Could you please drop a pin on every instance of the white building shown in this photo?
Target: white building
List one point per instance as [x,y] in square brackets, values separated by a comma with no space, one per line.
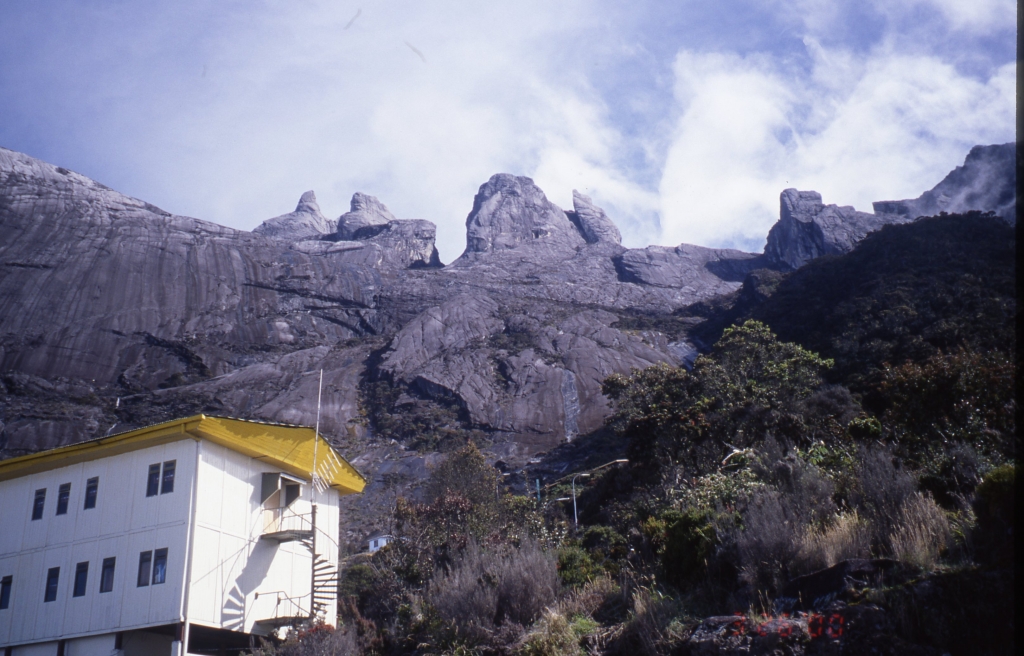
[197,533]
[378,540]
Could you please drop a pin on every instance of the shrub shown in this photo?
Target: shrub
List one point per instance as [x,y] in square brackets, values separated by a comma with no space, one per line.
[688,543]
[553,636]
[769,540]
[316,640]
[994,506]
[490,588]
[881,490]
[575,566]
[652,628]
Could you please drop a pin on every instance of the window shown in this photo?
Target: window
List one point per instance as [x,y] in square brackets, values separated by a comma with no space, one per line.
[159,566]
[81,578]
[63,494]
[52,578]
[107,575]
[91,487]
[153,484]
[38,504]
[5,591]
[145,561]
[167,484]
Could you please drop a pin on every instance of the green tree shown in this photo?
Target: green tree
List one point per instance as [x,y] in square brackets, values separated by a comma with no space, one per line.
[750,386]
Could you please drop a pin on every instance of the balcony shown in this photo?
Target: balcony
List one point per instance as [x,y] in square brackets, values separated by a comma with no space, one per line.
[286,525]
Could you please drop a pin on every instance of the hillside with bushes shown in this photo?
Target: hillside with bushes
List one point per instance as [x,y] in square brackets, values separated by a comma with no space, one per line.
[834,474]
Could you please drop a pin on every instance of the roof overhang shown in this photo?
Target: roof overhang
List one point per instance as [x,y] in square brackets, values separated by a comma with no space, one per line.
[289,448]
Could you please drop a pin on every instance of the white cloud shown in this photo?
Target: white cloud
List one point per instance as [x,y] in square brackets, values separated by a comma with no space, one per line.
[888,127]
[228,111]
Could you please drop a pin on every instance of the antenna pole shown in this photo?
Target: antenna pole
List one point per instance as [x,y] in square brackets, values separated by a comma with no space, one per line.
[316,438]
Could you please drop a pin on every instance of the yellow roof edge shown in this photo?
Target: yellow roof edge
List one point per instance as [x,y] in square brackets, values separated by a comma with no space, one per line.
[215,429]
[82,451]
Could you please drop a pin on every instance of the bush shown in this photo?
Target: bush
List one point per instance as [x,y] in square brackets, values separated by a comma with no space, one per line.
[687,545]
[553,636]
[575,566]
[881,490]
[490,588]
[769,541]
[994,506]
[316,640]
[653,628]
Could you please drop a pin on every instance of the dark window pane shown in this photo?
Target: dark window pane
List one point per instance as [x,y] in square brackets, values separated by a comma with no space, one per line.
[153,483]
[160,566]
[145,560]
[5,591]
[91,487]
[81,577]
[63,494]
[168,482]
[107,575]
[38,504]
[52,577]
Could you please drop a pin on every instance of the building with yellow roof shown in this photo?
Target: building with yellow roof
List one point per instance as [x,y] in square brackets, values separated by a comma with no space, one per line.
[190,536]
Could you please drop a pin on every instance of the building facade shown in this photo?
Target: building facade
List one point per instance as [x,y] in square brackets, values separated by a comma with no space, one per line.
[189,536]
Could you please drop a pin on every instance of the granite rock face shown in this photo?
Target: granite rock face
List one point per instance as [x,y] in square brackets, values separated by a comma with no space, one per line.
[807,228]
[306,222]
[509,211]
[687,265]
[986,182]
[593,224]
[116,314]
[366,212]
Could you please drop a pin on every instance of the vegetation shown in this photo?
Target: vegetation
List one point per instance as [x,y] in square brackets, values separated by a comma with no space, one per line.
[749,475]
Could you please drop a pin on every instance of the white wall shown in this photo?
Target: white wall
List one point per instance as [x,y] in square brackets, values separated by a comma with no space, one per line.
[236,575]
[123,523]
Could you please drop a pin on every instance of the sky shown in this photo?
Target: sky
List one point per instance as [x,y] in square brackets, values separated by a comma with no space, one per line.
[683,119]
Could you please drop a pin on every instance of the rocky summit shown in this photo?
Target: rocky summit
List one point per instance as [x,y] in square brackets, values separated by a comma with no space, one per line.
[116,314]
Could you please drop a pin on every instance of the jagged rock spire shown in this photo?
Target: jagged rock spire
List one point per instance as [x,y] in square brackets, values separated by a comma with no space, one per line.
[306,222]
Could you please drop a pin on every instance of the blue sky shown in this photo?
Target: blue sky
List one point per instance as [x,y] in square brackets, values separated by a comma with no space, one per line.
[684,119]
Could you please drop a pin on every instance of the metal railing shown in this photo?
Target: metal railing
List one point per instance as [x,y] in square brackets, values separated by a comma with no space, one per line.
[285,607]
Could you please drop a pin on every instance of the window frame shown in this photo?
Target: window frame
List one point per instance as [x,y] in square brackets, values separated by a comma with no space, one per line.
[145,565]
[109,565]
[92,487]
[81,582]
[39,504]
[167,481]
[52,585]
[6,584]
[159,558]
[63,498]
[153,480]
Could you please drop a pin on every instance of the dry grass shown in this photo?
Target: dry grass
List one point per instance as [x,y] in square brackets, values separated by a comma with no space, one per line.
[922,533]
[847,536]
